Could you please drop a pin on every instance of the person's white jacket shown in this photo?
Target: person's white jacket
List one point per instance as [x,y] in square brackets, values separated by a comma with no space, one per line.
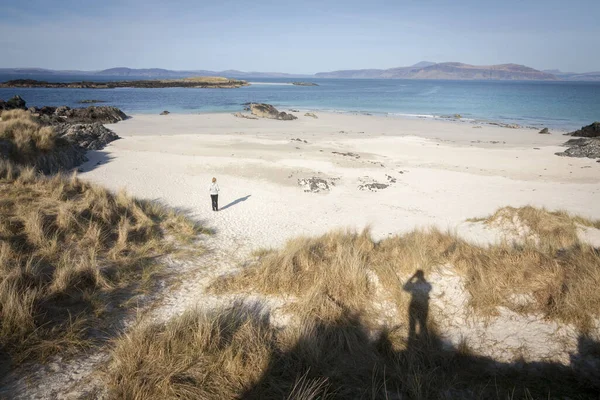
[214,189]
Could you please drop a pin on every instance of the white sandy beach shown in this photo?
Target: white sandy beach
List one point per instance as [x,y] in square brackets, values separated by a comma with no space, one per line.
[444,172]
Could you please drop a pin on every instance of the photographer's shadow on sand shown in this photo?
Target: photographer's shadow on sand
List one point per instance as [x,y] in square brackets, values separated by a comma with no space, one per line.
[338,358]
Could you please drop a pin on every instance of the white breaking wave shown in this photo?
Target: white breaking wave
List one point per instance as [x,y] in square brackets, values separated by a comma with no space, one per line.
[270,83]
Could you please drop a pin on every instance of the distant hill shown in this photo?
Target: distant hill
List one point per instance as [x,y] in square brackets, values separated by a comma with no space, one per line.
[447,70]
[148,73]
[421,70]
[575,76]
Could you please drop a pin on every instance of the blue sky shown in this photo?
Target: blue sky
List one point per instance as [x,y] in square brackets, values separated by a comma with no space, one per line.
[297,36]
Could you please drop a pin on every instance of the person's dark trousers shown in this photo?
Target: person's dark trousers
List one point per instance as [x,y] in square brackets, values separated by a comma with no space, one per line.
[215,201]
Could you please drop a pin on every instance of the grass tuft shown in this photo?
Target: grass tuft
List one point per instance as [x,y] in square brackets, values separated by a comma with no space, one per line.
[68,250]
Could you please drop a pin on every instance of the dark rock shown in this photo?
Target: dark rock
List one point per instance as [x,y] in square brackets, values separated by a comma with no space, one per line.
[590,131]
[13,103]
[268,111]
[348,154]
[165,113]
[583,147]
[87,136]
[544,131]
[91,101]
[88,115]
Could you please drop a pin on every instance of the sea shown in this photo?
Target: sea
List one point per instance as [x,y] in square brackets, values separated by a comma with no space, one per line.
[557,105]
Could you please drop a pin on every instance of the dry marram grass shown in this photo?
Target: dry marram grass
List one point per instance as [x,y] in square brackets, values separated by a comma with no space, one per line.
[71,251]
[235,353]
[352,269]
[342,341]
[28,136]
[554,229]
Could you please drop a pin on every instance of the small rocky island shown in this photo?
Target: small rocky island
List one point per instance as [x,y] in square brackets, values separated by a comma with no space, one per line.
[203,82]
[304,84]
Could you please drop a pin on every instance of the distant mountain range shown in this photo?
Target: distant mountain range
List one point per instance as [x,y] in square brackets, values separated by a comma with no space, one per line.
[148,73]
[422,70]
[574,76]
[448,70]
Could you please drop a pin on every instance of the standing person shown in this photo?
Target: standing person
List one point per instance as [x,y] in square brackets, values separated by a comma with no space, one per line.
[214,194]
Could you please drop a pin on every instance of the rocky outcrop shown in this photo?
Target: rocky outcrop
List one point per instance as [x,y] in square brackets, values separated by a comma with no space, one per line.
[247,116]
[192,82]
[88,115]
[13,103]
[263,110]
[87,136]
[582,147]
[544,131]
[165,113]
[590,131]
[77,129]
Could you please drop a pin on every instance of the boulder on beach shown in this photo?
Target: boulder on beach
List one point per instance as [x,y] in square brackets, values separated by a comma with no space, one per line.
[544,131]
[87,136]
[309,114]
[582,147]
[165,113]
[590,131]
[268,111]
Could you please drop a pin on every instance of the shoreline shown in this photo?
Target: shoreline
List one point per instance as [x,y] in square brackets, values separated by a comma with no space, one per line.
[508,124]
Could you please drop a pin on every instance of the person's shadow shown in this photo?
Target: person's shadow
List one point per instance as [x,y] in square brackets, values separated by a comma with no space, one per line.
[233,203]
[418,308]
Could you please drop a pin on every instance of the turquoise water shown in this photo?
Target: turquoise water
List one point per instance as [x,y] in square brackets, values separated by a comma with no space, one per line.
[560,105]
